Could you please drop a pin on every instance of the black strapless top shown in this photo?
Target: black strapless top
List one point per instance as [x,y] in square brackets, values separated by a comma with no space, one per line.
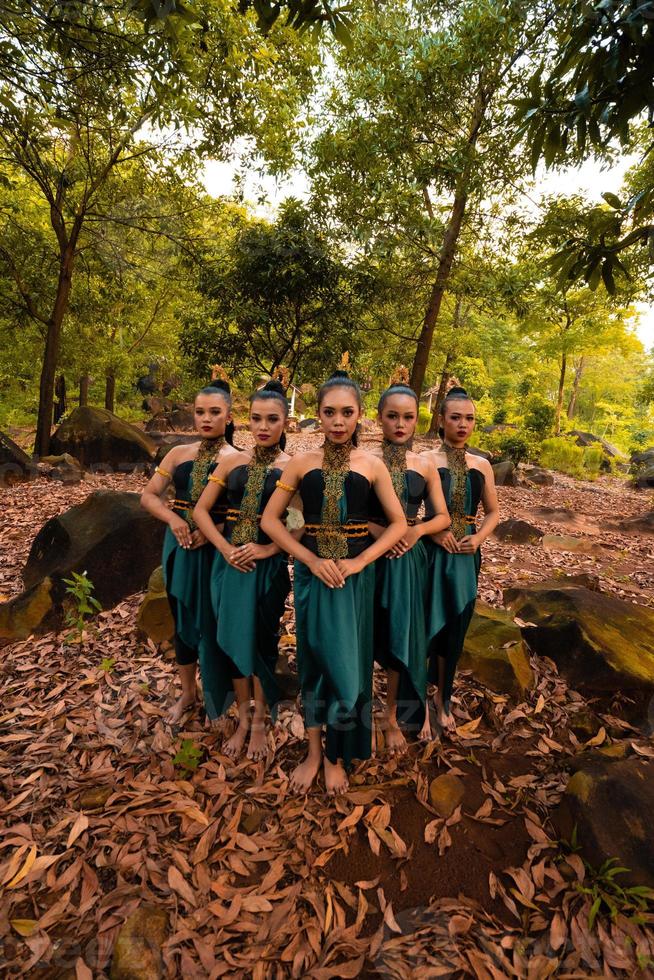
[236,488]
[358,493]
[476,482]
[416,493]
[181,479]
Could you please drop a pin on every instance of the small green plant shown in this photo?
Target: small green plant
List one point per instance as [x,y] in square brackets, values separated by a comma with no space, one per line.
[516,446]
[607,896]
[189,756]
[83,605]
[107,665]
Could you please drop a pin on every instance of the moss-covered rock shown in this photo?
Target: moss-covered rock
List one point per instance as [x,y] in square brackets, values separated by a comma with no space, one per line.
[495,652]
[610,802]
[95,436]
[565,542]
[109,536]
[137,951]
[27,612]
[445,794]
[154,617]
[15,464]
[518,532]
[599,643]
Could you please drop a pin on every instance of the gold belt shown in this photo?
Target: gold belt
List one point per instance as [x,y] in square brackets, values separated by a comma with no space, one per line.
[187,505]
[349,530]
[233,513]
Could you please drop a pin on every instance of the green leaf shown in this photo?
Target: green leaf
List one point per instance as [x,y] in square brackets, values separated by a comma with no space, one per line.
[607,276]
[613,200]
[594,909]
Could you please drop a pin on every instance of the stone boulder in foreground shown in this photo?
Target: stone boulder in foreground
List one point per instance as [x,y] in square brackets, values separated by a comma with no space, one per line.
[600,644]
[611,802]
[109,536]
[495,652]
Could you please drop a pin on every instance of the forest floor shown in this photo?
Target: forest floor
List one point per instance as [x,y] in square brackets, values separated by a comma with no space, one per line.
[105,808]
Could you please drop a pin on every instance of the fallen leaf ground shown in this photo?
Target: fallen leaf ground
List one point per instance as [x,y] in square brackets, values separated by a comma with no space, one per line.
[96,819]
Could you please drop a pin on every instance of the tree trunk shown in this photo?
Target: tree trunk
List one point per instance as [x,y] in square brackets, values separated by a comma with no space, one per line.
[448,248]
[445,377]
[60,394]
[110,390]
[572,404]
[51,353]
[84,390]
[559,400]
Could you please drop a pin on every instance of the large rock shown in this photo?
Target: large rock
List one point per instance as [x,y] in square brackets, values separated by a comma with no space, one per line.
[588,439]
[640,523]
[137,950]
[169,442]
[476,451]
[15,464]
[610,802]
[600,644]
[154,616]
[26,613]
[645,456]
[65,469]
[95,436]
[495,652]
[446,792]
[505,474]
[565,542]
[309,425]
[518,532]
[109,536]
[644,479]
[539,476]
[565,516]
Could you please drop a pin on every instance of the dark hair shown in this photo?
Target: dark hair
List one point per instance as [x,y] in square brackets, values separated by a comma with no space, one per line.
[455,394]
[341,379]
[273,391]
[219,387]
[397,389]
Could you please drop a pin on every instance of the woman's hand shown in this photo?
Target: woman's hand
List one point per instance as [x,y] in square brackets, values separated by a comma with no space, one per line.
[447,541]
[244,557]
[349,566]
[327,570]
[469,545]
[197,539]
[181,530]
[406,543]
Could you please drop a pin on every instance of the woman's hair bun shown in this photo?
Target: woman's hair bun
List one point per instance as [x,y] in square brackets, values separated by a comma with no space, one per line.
[274,385]
[339,374]
[221,384]
[456,390]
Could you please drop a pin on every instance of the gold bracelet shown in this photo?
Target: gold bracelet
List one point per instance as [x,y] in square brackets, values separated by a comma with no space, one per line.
[162,472]
[285,486]
[216,479]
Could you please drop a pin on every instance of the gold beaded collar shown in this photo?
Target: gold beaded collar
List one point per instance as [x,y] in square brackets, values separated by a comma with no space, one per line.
[394,455]
[208,453]
[246,529]
[331,541]
[456,463]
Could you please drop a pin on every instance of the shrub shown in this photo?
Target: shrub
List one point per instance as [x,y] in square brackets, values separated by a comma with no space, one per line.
[515,446]
[562,455]
[424,419]
[499,416]
[593,460]
[539,417]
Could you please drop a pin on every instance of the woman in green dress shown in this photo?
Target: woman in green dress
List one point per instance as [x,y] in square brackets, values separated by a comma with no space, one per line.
[401,574]
[249,578]
[454,555]
[186,559]
[334,582]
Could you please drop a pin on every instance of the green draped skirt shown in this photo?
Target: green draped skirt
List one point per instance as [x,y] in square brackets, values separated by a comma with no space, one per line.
[334,630]
[451,596]
[243,641]
[186,577]
[400,629]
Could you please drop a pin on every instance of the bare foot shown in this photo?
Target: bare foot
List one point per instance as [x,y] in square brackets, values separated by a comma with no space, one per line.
[425,734]
[181,706]
[336,781]
[303,777]
[444,718]
[395,740]
[258,745]
[234,745]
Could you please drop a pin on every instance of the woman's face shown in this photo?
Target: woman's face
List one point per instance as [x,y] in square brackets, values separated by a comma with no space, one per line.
[339,413]
[398,418]
[458,421]
[267,419]
[211,415]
